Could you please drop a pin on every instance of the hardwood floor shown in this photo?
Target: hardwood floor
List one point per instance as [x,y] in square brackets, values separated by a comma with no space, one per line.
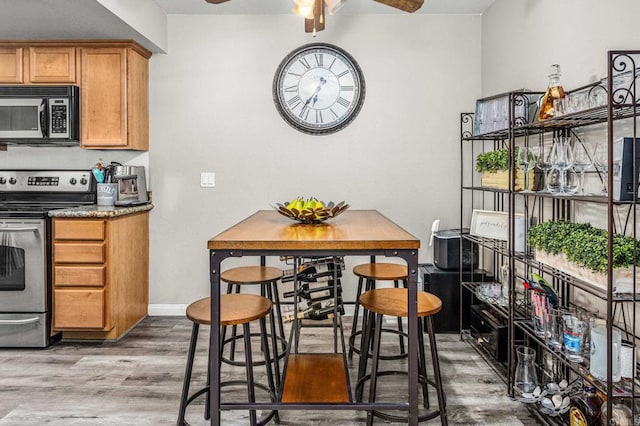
[138,381]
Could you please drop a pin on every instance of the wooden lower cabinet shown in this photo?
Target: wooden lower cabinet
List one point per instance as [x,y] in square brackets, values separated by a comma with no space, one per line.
[100,275]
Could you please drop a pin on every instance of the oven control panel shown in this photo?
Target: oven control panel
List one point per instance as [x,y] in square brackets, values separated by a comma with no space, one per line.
[45,181]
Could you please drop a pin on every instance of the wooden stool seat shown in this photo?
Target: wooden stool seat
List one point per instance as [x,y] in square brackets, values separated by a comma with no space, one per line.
[393,302]
[251,275]
[234,309]
[381,271]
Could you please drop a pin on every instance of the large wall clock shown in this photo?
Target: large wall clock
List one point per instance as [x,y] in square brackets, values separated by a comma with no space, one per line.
[318,88]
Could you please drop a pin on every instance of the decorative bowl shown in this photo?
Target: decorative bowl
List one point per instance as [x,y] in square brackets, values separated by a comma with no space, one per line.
[311,210]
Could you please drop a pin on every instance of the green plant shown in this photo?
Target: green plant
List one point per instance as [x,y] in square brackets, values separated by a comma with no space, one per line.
[583,244]
[493,161]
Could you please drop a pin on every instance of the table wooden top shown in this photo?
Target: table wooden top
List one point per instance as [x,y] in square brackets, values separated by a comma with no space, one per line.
[352,230]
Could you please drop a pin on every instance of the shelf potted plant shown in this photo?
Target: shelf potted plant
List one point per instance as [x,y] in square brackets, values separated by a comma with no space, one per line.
[494,169]
[580,250]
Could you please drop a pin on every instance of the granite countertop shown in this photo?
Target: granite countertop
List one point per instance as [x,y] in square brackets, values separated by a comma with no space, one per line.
[99,211]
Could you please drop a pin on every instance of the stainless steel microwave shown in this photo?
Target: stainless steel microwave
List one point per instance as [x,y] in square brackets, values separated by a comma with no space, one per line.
[40,115]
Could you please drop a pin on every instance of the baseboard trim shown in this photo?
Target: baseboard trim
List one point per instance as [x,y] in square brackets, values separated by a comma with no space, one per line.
[167,310]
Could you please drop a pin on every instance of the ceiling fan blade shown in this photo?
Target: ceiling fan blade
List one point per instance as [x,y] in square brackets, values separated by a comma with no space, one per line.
[216,1]
[317,23]
[405,5]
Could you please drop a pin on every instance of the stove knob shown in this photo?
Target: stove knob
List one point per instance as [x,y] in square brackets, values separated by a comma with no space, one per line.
[83,181]
[12,181]
[73,181]
[3,180]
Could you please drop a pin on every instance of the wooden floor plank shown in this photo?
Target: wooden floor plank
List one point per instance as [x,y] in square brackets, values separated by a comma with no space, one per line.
[315,378]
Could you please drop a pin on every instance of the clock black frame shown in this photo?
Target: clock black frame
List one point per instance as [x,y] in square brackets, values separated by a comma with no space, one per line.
[351,113]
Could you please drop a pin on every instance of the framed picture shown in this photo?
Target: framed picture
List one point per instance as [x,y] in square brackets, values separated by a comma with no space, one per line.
[492,224]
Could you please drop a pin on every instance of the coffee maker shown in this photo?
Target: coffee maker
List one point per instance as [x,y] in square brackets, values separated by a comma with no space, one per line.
[132,186]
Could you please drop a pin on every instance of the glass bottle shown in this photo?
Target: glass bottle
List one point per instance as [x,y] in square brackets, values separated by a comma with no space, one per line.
[554,91]
[526,379]
[585,407]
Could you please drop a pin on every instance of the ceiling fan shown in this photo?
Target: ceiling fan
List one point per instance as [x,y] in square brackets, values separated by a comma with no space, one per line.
[313,10]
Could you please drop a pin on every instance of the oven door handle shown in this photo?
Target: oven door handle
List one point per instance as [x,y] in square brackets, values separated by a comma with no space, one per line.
[19,229]
[20,321]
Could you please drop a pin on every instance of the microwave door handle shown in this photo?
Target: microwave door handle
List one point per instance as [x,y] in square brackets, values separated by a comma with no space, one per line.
[44,118]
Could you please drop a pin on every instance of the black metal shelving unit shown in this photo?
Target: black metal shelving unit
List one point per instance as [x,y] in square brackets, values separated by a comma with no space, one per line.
[622,103]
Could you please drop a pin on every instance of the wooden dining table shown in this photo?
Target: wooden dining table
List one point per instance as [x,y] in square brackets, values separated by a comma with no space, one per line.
[267,233]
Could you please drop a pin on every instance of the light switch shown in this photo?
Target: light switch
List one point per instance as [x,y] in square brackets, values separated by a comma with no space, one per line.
[207,180]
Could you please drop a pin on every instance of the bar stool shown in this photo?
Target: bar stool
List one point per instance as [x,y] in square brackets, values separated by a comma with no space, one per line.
[235,309]
[368,274]
[393,302]
[267,277]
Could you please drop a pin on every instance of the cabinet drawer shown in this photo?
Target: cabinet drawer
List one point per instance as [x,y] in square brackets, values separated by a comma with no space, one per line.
[78,309]
[78,229]
[78,252]
[88,276]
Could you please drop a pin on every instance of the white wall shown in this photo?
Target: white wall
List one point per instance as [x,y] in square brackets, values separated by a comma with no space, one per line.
[521,38]
[211,109]
[144,16]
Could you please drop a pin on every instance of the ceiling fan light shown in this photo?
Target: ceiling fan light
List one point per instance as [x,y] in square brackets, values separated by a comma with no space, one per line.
[303,11]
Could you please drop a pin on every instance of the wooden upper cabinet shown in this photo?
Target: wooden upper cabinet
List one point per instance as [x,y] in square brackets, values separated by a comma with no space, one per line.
[52,65]
[11,65]
[113,76]
[114,99]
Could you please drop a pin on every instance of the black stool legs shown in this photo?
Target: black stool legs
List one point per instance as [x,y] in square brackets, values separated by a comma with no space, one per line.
[187,375]
[185,400]
[371,336]
[370,284]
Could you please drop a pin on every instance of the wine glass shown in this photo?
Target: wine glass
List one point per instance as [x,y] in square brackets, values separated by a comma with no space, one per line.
[545,163]
[582,159]
[562,160]
[526,159]
[601,163]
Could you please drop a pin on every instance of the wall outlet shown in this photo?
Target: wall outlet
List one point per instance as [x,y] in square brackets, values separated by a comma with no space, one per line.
[207,180]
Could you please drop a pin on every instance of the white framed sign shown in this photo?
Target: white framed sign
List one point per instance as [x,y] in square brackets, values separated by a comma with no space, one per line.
[492,224]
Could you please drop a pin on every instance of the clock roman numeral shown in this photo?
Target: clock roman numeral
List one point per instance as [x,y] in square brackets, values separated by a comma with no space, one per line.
[343,73]
[342,101]
[294,74]
[319,59]
[304,113]
[293,88]
[294,102]
[346,88]
[319,116]
[332,62]
[304,63]
[333,113]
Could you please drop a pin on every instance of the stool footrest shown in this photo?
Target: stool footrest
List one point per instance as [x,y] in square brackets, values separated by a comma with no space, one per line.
[396,418]
[401,355]
[229,361]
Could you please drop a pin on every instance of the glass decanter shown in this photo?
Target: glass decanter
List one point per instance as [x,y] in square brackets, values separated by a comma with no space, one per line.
[554,91]
[526,379]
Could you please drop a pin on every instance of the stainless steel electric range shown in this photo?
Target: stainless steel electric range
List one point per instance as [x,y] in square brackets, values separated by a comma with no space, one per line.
[26,197]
